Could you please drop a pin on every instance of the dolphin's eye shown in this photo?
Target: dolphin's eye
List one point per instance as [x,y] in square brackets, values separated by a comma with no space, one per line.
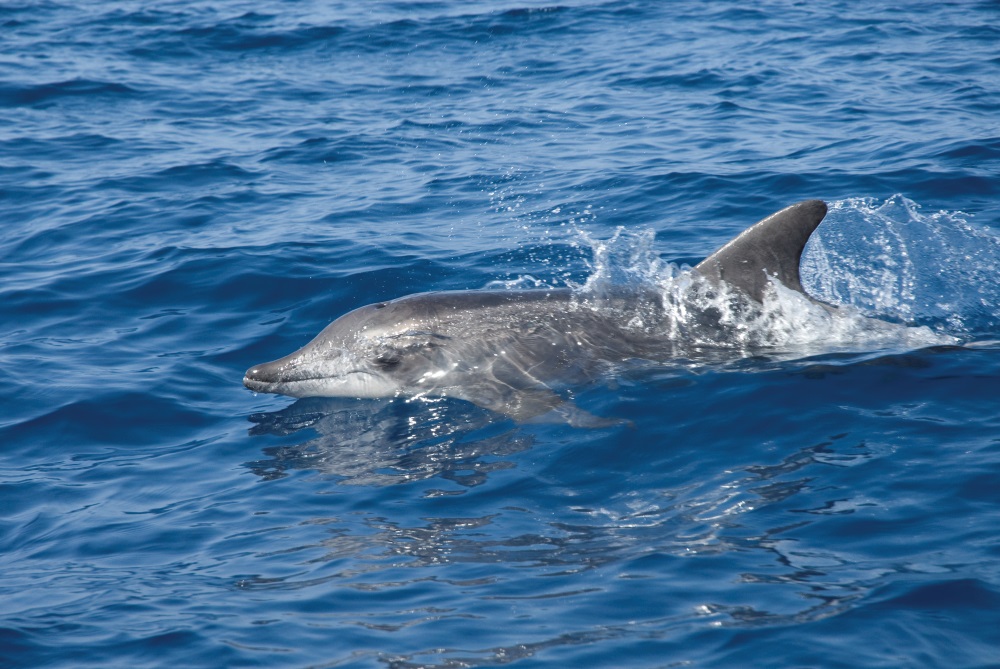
[387,360]
[412,338]
[380,305]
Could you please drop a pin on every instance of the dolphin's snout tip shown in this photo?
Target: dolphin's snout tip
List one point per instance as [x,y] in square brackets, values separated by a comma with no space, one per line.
[250,383]
[254,379]
[268,377]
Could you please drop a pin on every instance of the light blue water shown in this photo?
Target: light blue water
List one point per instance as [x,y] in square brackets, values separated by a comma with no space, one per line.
[190,188]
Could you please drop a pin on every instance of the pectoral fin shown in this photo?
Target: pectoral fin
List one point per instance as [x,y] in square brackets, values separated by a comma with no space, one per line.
[512,391]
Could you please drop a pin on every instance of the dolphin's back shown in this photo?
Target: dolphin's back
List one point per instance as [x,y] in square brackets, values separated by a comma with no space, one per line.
[769,248]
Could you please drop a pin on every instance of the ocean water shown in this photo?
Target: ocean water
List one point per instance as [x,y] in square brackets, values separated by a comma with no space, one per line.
[190,188]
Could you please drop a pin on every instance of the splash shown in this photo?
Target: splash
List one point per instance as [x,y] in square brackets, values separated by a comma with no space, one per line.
[543,227]
[893,262]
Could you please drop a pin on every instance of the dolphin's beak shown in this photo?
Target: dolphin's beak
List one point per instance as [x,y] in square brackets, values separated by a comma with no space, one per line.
[264,377]
[259,377]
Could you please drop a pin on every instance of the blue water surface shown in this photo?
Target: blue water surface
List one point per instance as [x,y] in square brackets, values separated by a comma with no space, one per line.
[190,188]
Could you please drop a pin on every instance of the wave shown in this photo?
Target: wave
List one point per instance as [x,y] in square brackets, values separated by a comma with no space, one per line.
[35,94]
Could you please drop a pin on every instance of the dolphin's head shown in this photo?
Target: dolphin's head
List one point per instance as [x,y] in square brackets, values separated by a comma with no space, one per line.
[376,351]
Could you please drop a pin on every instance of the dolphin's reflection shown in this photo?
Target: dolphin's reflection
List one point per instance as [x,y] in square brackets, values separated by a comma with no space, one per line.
[387,442]
[761,517]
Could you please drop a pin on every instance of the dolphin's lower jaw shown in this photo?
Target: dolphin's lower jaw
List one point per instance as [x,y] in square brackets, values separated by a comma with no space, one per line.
[303,383]
[299,388]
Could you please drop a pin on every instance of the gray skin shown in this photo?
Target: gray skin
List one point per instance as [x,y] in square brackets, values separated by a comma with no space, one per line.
[510,351]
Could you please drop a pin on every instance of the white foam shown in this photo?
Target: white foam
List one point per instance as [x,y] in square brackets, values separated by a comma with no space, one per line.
[866,261]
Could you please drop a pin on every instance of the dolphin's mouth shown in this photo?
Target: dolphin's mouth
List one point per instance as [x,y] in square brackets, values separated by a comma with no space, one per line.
[256,385]
[277,377]
[269,378]
[294,387]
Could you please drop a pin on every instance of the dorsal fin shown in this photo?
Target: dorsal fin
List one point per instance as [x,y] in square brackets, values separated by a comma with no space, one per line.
[769,248]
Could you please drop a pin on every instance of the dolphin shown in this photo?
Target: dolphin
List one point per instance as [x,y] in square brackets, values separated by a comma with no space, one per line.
[516,352]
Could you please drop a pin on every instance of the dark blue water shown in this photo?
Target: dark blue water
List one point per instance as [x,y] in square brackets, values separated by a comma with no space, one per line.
[189,188]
